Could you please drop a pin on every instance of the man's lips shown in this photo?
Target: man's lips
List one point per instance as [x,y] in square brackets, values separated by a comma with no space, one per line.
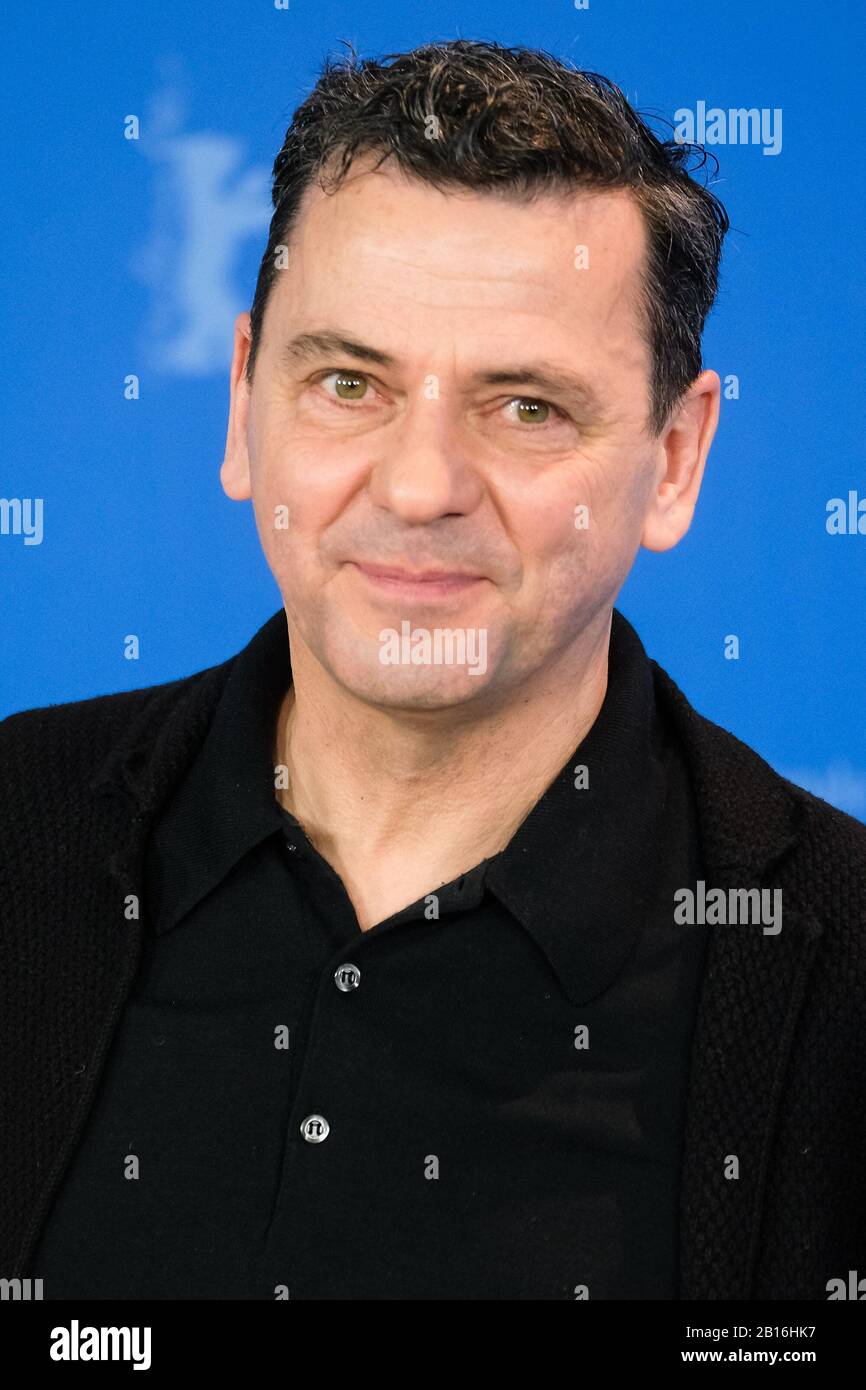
[430,581]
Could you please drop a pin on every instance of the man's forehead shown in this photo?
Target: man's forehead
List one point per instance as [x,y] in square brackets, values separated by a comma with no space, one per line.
[575,255]
[388,198]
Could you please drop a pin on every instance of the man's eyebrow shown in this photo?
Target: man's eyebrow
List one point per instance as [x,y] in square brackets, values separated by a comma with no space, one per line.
[327,344]
[544,376]
[547,378]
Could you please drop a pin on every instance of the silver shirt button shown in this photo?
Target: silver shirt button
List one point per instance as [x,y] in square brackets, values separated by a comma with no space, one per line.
[315,1128]
[347,976]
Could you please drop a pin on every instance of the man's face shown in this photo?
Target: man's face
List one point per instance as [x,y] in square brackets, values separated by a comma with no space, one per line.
[530,495]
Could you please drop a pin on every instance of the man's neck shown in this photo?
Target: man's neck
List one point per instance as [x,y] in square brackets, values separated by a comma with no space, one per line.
[398,804]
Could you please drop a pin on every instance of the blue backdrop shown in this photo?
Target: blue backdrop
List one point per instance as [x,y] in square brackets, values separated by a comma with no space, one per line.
[133,256]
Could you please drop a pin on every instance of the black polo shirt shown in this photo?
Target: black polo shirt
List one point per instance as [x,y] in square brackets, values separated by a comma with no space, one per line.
[480,1097]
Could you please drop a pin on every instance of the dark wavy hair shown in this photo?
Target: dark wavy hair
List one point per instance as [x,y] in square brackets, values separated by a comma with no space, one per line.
[520,120]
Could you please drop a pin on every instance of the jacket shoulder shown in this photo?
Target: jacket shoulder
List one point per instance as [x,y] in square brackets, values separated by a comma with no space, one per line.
[745,791]
[833,851]
[64,743]
[107,710]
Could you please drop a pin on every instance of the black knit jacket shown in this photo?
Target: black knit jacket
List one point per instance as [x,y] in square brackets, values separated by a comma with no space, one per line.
[778,1070]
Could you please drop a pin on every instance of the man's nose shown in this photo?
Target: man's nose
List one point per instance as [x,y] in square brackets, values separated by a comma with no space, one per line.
[425,470]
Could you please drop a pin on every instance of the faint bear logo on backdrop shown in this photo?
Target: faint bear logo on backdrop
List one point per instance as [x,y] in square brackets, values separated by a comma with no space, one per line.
[206,204]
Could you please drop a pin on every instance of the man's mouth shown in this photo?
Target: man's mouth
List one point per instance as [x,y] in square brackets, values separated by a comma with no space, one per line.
[428,582]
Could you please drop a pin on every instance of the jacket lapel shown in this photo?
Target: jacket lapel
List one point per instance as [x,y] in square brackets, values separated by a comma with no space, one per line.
[751,994]
[100,940]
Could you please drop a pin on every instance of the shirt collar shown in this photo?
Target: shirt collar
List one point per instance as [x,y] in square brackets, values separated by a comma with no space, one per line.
[580,871]
[226,804]
[577,874]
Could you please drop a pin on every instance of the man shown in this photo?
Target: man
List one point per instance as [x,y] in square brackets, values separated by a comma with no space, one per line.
[407,953]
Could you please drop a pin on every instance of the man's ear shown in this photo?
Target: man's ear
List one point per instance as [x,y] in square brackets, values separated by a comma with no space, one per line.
[235,470]
[682,453]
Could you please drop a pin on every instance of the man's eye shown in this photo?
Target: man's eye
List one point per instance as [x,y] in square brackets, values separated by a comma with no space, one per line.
[348,385]
[530,411]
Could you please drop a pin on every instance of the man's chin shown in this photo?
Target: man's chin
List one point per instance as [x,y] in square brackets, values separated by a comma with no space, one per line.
[413,690]
[401,676]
